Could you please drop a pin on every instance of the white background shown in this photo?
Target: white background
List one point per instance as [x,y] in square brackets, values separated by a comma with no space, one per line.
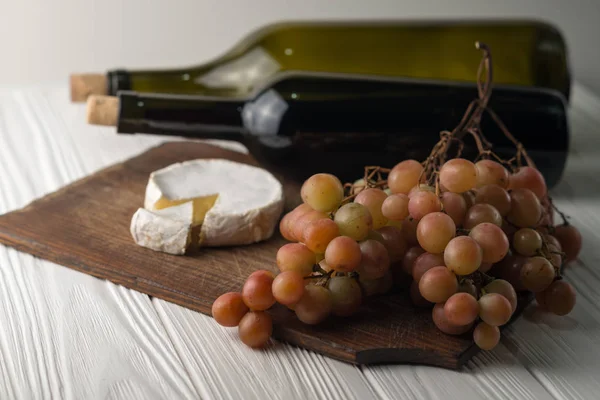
[43,40]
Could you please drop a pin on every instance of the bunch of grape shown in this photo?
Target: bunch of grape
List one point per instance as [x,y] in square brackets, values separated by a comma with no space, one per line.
[481,222]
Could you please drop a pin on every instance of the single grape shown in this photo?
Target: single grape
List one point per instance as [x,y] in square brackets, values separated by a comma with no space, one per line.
[314,305]
[424,263]
[509,269]
[416,298]
[458,175]
[394,242]
[343,254]
[495,196]
[492,240]
[455,206]
[288,222]
[441,321]
[467,286]
[228,309]
[375,260]
[358,186]
[438,284]
[434,231]
[490,172]
[570,241]
[505,289]
[494,309]
[256,292]
[527,242]
[303,221]
[481,213]
[319,233]
[354,220]
[525,208]
[420,188]
[296,257]
[373,199]
[395,207]
[409,231]
[423,203]
[537,274]
[461,309]
[323,192]
[255,329]
[555,258]
[529,178]
[404,176]
[409,258]
[560,298]
[285,228]
[552,241]
[372,287]
[288,287]
[469,198]
[463,255]
[486,336]
[261,272]
[346,295]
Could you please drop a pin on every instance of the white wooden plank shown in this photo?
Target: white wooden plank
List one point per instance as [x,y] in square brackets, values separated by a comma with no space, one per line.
[65,334]
[221,367]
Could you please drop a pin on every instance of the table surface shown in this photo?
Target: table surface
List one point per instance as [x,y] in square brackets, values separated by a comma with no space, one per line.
[64,334]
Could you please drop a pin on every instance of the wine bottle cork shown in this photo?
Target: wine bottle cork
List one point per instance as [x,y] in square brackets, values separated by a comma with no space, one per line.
[84,85]
[103,110]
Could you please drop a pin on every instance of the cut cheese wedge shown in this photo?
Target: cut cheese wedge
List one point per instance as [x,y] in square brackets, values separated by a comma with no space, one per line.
[167,230]
[233,203]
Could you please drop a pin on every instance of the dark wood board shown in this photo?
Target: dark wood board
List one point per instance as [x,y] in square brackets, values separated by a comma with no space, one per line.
[85,226]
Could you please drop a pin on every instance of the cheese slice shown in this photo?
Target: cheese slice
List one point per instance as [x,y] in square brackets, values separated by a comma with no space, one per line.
[167,230]
[233,203]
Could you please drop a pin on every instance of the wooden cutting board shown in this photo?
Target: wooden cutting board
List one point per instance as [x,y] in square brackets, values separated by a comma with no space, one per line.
[85,226]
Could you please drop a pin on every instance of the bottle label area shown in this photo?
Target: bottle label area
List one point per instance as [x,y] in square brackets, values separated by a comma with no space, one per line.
[242,73]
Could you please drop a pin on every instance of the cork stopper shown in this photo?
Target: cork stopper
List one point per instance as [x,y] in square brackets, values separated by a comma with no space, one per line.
[84,85]
[102,110]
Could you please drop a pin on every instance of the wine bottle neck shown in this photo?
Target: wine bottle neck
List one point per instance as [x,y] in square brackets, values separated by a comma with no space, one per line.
[116,80]
[206,117]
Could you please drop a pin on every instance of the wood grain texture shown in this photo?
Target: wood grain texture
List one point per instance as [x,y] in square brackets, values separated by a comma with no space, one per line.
[45,144]
[85,226]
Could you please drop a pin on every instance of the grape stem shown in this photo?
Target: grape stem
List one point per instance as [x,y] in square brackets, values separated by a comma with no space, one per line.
[562,214]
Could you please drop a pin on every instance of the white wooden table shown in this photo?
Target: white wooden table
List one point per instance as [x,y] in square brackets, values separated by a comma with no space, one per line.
[64,334]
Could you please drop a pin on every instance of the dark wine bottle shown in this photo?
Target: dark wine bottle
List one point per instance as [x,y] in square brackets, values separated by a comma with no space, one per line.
[527,53]
[339,124]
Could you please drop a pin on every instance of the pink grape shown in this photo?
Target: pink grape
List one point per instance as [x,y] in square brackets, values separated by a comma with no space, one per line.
[434,231]
[492,240]
[404,176]
[423,203]
[529,178]
[395,207]
[458,175]
[490,172]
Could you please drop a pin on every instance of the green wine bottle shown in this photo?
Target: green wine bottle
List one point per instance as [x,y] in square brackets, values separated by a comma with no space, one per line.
[309,123]
[527,53]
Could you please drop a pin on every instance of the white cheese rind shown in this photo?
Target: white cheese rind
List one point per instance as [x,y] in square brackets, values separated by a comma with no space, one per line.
[166,230]
[247,209]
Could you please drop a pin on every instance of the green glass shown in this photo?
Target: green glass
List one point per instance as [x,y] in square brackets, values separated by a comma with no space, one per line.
[526,53]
